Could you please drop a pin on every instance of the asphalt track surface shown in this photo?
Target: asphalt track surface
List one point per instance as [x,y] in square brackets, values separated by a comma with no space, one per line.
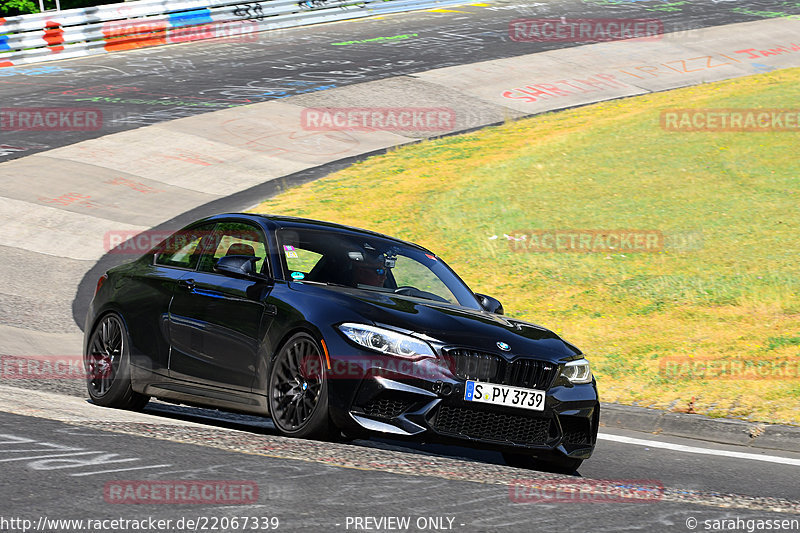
[314,486]
[317,486]
[154,85]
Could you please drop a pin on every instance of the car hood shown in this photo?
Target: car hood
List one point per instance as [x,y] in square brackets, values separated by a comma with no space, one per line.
[448,324]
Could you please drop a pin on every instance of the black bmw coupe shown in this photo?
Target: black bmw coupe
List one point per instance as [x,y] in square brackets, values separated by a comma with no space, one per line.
[334,331]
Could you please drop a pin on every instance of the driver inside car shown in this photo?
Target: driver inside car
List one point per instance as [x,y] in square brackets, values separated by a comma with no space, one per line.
[369,268]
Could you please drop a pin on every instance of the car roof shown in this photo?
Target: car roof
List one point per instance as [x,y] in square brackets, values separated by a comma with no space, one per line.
[283,221]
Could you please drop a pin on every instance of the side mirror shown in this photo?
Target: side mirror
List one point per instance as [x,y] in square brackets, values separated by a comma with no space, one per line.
[238,266]
[490,304]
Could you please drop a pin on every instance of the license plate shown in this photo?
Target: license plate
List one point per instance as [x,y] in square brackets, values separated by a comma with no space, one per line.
[477,391]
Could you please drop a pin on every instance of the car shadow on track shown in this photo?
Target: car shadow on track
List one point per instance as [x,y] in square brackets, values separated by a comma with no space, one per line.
[263,425]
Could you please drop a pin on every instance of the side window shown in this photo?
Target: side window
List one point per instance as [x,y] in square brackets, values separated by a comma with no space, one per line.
[182,249]
[410,273]
[300,260]
[235,238]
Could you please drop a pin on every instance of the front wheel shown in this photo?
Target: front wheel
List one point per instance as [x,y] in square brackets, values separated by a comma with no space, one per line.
[558,465]
[107,366]
[298,390]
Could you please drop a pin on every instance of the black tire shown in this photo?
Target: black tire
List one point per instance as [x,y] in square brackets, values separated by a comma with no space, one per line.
[558,465]
[107,365]
[298,390]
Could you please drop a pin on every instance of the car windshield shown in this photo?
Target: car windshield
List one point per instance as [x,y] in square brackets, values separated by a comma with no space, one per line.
[370,263]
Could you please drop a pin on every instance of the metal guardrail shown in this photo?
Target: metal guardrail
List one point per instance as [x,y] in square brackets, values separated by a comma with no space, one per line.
[113,27]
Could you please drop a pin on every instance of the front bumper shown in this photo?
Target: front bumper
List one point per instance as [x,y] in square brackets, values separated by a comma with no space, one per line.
[424,401]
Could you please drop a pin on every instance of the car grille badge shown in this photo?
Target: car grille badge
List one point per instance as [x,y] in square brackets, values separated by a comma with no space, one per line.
[503,346]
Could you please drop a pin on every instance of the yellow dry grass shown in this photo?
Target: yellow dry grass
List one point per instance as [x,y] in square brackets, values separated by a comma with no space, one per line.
[731,294]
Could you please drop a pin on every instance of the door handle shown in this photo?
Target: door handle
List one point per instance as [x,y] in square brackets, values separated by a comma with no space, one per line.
[186,283]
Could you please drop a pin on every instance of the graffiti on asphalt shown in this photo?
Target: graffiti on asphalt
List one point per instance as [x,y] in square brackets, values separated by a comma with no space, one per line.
[35,71]
[134,185]
[328,4]
[375,39]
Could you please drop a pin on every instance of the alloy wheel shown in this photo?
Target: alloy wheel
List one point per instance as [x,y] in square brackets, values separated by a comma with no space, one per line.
[104,355]
[297,382]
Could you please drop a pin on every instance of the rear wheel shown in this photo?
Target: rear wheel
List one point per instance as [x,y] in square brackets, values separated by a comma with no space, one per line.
[559,465]
[107,365]
[298,390]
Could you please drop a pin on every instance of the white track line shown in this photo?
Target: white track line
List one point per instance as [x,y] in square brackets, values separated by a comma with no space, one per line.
[118,470]
[703,451]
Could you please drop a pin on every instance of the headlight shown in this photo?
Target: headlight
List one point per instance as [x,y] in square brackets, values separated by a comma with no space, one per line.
[387,341]
[577,371]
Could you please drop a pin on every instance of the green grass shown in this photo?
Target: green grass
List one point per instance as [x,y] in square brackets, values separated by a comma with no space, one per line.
[726,285]
[773,343]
